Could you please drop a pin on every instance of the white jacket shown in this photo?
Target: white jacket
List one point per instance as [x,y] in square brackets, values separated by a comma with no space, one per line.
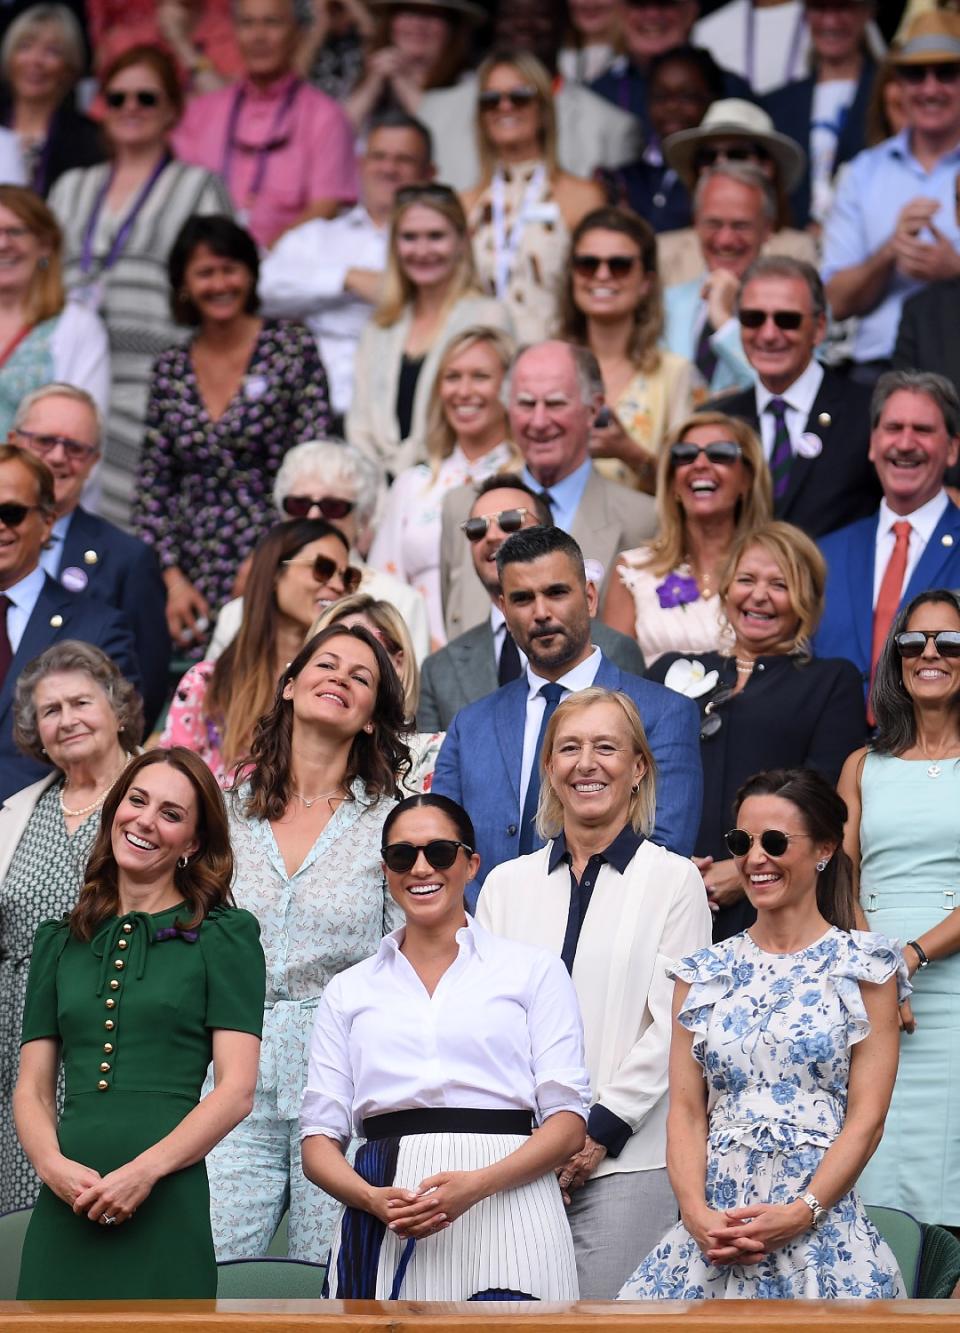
[15,816]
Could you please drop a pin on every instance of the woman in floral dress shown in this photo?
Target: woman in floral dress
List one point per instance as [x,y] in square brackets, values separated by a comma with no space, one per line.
[783,1060]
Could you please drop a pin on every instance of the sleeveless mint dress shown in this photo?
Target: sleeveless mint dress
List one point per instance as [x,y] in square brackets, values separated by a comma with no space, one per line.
[909,882]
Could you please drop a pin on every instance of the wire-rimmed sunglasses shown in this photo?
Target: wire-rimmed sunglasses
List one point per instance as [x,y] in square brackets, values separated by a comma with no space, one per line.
[440,853]
[913,642]
[773,841]
[508,521]
[323,570]
[723,452]
[330,506]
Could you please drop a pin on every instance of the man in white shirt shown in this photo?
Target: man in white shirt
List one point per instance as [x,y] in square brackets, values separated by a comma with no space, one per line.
[328,273]
[814,423]
[912,543]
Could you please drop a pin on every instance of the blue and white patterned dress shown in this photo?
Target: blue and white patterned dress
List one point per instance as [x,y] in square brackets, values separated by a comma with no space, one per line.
[773,1034]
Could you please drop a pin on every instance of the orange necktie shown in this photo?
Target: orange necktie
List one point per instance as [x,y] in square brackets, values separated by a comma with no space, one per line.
[891,588]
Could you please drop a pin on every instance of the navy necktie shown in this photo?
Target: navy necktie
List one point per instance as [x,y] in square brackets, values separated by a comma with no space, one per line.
[705,358]
[528,834]
[6,651]
[509,667]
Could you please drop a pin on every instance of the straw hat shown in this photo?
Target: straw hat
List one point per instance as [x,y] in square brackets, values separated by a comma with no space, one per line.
[732,117]
[931,39]
[462,8]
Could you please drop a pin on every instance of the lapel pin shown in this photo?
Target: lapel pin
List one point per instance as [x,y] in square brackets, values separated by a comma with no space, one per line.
[809,445]
[946,540]
[824,419]
[56,622]
[74,579]
[90,557]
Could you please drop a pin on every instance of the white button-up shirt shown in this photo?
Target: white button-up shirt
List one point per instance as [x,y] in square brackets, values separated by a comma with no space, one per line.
[799,400]
[502,1031]
[580,677]
[923,522]
[302,277]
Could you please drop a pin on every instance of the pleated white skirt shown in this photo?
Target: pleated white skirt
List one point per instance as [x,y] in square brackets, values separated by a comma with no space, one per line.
[517,1240]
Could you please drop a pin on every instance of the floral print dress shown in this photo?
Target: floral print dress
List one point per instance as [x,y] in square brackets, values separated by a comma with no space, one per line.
[773,1034]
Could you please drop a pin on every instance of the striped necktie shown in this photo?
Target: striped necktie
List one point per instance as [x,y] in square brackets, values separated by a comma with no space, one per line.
[781,458]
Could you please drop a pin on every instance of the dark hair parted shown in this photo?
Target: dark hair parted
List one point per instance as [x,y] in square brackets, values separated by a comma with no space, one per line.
[432,800]
[529,544]
[512,481]
[223,238]
[892,705]
[204,881]
[378,758]
[824,814]
[394,118]
[43,477]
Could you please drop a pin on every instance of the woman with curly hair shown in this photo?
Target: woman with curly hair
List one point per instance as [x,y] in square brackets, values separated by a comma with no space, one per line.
[305,827]
[612,303]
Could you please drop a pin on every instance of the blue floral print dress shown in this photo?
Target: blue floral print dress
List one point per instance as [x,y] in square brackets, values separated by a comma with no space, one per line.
[773,1034]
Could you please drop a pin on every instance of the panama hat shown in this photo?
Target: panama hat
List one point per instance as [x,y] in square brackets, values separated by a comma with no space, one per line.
[931,39]
[728,118]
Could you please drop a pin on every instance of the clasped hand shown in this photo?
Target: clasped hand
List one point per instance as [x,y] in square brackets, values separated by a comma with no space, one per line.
[118,1194]
[577,1170]
[431,1207]
[745,1235]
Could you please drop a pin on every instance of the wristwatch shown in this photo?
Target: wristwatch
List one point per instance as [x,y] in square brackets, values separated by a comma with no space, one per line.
[815,1206]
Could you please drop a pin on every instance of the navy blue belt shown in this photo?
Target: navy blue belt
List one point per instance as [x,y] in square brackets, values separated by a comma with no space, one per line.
[446,1120]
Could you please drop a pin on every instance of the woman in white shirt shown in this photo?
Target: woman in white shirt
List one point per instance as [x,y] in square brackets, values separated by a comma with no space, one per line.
[618,910]
[441,1051]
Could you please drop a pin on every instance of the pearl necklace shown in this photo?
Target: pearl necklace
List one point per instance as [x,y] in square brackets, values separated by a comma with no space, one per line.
[310,802]
[744,666]
[94,805]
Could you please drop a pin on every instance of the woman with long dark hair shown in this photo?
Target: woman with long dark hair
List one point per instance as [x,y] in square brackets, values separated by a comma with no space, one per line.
[782,1062]
[902,792]
[154,973]
[305,826]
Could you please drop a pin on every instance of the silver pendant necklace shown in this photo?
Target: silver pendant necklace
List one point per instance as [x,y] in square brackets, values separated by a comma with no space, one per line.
[310,802]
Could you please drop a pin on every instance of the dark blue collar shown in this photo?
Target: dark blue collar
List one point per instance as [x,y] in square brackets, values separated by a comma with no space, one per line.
[619,854]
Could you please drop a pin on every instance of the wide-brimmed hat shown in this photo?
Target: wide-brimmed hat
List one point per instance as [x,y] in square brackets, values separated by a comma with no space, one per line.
[463,8]
[733,117]
[931,39]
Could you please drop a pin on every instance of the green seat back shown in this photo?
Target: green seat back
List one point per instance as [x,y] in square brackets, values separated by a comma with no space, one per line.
[904,1235]
[266,1279]
[279,1246]
[13,1228]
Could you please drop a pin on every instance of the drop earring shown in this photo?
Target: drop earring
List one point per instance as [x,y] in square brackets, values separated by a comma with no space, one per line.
[822,865]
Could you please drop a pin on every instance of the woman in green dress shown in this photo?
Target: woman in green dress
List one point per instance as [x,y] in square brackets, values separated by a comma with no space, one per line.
[153,974]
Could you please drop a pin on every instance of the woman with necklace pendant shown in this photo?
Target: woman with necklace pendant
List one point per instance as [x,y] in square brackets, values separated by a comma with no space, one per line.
[305,827]
[902,792]
[74,710]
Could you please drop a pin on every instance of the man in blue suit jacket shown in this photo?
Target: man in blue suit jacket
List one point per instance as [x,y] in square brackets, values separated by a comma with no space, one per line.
[489,754]
[915,437]
[61,425]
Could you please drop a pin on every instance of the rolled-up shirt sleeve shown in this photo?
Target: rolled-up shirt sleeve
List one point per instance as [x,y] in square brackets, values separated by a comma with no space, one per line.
[327,1104]
[561,1081]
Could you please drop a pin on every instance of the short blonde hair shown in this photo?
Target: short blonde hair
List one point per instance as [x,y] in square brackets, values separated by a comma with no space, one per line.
[398,291]
[441,437]
[642,809]
[803,568]
[388,621]
[536,75]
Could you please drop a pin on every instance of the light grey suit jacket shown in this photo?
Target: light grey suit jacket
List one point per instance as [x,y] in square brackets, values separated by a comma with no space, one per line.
[466,670]
[609,519]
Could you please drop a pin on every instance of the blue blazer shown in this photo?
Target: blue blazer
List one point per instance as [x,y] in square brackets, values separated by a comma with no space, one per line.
[681,306]
[58,615]
[846,629]
[479,765]
[124,572]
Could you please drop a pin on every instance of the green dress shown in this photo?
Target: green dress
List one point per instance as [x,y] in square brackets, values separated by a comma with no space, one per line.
[135,1009]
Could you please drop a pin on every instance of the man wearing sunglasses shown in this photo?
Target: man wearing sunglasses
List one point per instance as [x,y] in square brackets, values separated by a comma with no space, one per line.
[35,610]
[814,423]
[478,661]
[912,543]
[489,759]
[61,425]
[893,226]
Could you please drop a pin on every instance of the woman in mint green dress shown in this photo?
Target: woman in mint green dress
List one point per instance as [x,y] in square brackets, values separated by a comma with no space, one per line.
[154,974]
[903,794]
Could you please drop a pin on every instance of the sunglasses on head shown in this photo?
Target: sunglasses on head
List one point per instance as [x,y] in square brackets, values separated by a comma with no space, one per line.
[515,97]
[618,266]
[323,570]
[508,520]
[12,514]
[440,852]
[912,642]
[709,157]
[145,97]
[299,506]
[784,319]
[724,452]
[772,840]
[948,72]
[409,194]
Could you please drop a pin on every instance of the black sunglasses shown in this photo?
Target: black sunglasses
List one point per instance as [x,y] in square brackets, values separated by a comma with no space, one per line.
[712,721]
[709,157]
[516,97]
[784,319]
[724,452]
[440,852]
[948,72]
[323,569]
[912,642]
[508,520]
[617,265]
[145,97]
[12,514]
[772,840]
[299,506]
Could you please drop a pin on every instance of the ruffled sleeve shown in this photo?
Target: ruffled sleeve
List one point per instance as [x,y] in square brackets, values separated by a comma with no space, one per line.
[866,956]
[709,974]
[236,972]
[40,1017]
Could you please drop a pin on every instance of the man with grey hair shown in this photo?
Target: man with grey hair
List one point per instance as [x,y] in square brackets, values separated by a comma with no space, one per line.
[912,542]
[61,425]
[814,424]
[555,392]
[733,213]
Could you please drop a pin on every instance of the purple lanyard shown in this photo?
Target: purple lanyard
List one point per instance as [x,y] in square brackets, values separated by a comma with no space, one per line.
[266,148]
[123,235]
[792,54]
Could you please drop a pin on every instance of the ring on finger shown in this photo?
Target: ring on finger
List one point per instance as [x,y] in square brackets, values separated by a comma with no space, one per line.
[107,1220]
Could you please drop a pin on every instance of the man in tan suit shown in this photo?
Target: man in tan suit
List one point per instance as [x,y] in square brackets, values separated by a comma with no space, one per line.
[554,393]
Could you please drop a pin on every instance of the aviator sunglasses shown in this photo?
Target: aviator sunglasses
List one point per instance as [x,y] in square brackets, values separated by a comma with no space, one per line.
[773,841]
[912,642]
[515,97]
[330,506]
[440,852]
[724,452]
[508,520]
[13,514]
[323,570]
[145,97]
[588,266]
[784,319]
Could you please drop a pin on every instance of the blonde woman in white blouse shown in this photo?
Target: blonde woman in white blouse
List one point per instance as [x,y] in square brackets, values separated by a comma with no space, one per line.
[467,431]
[618,910]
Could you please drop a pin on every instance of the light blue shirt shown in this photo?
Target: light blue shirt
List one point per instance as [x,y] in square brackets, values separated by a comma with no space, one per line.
[873,190]
[24,596]
[52,552]
[565,495]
